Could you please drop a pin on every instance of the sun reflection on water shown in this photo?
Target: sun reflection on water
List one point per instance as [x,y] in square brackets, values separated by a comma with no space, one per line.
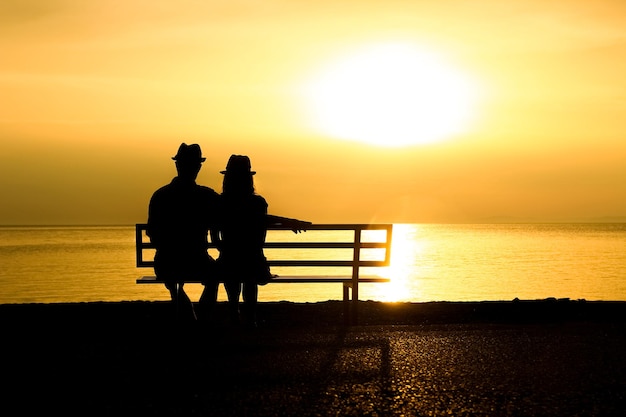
[405,248]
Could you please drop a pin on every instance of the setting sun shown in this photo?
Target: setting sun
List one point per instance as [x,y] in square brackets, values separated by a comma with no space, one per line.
[392,95]
[393,111]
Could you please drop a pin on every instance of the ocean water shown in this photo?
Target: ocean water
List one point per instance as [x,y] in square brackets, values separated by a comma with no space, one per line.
[430,262]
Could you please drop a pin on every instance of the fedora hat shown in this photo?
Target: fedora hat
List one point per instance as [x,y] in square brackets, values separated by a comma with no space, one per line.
[238,164]
[189,153]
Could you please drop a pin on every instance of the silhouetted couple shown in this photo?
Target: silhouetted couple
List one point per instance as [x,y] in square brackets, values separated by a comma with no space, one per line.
[182,214]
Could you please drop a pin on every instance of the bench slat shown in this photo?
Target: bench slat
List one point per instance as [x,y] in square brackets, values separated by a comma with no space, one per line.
[301,263]
[325,263]
[152,279]
[297,245]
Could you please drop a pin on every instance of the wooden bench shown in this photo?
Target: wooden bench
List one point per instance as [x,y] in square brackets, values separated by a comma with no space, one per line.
[297,258]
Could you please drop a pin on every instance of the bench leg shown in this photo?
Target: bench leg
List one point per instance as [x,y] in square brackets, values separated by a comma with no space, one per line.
[346,303]
[354,309]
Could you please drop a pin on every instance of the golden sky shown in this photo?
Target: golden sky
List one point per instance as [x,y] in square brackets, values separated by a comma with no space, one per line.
[96,96]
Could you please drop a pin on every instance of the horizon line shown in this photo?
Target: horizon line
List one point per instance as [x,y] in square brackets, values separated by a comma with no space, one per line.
[494,220]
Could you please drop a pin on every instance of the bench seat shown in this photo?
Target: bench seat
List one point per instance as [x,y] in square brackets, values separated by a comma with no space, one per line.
[152,279]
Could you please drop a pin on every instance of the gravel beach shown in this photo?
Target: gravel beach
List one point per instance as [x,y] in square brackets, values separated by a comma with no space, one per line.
[518,358]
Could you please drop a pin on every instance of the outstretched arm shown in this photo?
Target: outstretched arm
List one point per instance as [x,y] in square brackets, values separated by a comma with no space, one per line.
[295,225]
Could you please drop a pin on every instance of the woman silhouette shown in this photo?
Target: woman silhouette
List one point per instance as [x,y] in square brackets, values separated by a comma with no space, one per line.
[240,236]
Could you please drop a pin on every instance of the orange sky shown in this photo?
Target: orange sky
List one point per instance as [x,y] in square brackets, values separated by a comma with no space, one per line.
[96,97]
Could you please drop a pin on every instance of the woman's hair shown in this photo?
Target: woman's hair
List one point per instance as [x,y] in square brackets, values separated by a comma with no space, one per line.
[236,185]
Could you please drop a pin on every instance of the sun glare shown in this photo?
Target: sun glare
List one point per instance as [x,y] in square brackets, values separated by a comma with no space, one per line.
[390,95]
[405,248]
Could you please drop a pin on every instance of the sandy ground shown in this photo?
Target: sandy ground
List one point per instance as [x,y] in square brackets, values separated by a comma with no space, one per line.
[540,358]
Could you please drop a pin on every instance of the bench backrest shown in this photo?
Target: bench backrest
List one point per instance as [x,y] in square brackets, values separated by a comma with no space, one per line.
[355,237]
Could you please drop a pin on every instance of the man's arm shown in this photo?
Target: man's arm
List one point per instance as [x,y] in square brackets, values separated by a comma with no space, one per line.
[153,223]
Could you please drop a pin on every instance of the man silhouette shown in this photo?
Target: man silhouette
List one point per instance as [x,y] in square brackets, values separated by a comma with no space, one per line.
[180,215]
